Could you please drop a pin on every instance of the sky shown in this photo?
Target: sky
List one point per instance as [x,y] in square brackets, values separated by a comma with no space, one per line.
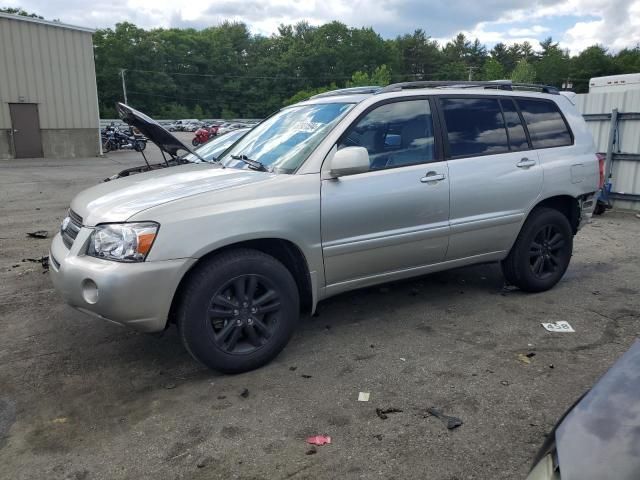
[576,24]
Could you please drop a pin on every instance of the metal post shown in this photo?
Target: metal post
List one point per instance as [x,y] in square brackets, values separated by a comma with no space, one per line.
[612,135]
[124,86]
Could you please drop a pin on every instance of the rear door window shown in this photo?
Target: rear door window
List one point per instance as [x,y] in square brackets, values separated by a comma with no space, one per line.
[547,128]
[475,126]
[515,130]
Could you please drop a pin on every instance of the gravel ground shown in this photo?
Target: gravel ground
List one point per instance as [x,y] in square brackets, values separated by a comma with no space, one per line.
[85,399]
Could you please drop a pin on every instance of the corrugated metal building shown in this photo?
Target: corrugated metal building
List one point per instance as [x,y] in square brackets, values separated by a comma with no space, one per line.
[625,168]
[48,94]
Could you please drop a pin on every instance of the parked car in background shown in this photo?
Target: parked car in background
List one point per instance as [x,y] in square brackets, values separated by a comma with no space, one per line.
[599,437]
[346,190]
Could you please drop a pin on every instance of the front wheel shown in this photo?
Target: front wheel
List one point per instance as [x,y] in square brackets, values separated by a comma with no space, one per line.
[195,142]
[238,310]
[541,253]
[140,145]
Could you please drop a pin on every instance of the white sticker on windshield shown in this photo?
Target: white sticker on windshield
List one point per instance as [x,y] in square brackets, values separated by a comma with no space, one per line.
[307,126]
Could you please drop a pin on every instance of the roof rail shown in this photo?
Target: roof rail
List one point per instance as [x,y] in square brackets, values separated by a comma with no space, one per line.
[348,91]
[494,84]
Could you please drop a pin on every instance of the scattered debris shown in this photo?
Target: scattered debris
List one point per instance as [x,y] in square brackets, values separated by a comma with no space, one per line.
[38,234]
[244,393]
[383,412]
[311,451]
[169,386]
[372,346]
[531,354]
[60,420]
[293,369]
[363,396]
[403,359]
[449,421]
[44,261]
[378,436]
[596,292]
[551,366]
[221,397]
[523,358]
[504,382]
[559,326]
[319,440]
[306,376]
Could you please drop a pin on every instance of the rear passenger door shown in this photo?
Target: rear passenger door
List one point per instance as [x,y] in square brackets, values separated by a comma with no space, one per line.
[495,175]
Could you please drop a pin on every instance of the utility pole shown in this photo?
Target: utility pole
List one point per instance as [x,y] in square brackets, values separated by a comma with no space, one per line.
[124,86]
[471,69]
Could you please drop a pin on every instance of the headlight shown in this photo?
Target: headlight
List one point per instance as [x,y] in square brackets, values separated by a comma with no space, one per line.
[124,242]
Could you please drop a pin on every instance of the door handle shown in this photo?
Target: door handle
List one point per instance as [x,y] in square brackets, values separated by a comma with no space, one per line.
[432,177]
[525,163]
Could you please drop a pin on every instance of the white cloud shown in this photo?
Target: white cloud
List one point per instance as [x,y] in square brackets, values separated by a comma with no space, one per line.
[613,23]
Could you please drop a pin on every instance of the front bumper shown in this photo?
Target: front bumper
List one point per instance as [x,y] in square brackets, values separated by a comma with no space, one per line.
[137,295]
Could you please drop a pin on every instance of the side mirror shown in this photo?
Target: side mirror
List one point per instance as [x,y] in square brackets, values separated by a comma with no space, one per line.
[349,161]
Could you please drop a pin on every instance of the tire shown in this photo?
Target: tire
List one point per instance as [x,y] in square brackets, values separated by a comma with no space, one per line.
[140,145]
[106,146]
[210,318]
[195,142]
[541,253]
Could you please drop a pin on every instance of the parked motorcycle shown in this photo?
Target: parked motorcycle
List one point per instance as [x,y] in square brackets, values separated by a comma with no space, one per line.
[203,134]
[115,139]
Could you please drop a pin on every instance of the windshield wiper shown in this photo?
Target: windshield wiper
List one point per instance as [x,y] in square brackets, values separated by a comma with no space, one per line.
[253,164]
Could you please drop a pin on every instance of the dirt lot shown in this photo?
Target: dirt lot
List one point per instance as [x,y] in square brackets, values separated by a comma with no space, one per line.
[85,399]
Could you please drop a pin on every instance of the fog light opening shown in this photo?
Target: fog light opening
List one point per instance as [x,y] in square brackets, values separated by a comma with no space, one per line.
[89,291]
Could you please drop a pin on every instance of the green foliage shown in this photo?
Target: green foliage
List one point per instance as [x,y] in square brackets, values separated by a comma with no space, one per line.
[381,76]
[493,70]
[226,71]
[21,12]
[524,72]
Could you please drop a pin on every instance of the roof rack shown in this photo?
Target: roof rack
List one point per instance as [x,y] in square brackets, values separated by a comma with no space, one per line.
[494,84]
[348,91]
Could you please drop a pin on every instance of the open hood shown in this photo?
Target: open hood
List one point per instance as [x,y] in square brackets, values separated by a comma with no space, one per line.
[152,130]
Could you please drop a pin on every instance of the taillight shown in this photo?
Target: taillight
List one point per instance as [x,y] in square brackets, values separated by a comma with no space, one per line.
[601,163]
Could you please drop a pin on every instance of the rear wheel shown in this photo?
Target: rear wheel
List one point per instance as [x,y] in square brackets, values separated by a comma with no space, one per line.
[238,311]
[541,253]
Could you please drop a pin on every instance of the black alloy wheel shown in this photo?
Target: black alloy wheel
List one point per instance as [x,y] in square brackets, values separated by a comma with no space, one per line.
[542,251]
[237,310]
[244,314]
[545,251]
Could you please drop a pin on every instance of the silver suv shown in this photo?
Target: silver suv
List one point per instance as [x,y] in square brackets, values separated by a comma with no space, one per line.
[348,189]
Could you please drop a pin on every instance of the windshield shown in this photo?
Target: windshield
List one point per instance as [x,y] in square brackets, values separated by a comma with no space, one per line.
[211,150]
[284,141]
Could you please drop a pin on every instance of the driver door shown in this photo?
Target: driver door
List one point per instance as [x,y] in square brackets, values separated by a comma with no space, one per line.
[390,221]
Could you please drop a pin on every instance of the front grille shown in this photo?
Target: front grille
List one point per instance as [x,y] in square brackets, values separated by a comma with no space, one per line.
[70,233]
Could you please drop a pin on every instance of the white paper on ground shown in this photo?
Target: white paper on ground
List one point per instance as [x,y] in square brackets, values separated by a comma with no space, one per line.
[560,326]
[363,396]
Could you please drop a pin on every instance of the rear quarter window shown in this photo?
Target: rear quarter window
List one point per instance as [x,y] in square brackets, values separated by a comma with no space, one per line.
[546,125]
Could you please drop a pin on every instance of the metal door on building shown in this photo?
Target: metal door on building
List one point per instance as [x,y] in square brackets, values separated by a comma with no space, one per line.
[25,130]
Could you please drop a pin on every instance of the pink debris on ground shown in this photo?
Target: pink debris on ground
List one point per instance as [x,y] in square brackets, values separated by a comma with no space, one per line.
[319,440]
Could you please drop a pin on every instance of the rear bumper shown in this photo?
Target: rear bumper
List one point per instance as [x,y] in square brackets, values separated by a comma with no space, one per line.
[587,205]
[137,295]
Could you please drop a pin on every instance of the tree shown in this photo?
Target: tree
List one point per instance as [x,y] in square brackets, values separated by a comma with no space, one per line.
[493,70]
[591,62]
[21,12]
[381,76]
[524,72]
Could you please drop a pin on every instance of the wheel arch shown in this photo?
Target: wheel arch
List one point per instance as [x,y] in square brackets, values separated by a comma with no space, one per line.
[285,251]
[566,204]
